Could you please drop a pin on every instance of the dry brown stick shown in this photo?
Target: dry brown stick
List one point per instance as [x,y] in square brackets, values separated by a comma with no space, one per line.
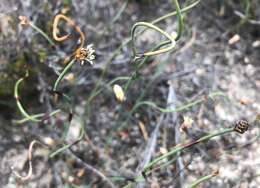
[71,23]
[29,173]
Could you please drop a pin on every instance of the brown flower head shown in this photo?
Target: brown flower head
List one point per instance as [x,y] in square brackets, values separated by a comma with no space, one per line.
[85,54]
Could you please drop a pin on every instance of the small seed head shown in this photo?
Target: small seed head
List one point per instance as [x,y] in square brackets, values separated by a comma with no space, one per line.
[119,93]
[85,54]
[241,126]
[24,21]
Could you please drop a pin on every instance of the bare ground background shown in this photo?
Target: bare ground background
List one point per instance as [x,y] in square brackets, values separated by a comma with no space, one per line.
[206,59]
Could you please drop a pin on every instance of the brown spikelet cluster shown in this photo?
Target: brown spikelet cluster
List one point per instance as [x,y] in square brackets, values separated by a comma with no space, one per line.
[241,126]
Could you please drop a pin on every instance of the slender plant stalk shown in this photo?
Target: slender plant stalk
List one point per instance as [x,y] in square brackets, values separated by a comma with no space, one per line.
[202,179]
[140,65]
[19,104]
[37,116]
[180,19]
[187,8]
[63,73]
[67,146]
[27,117]
[178,109]
[165,110]
[42,33]
[119,13]
[152,26]
[180,148]
[110,83]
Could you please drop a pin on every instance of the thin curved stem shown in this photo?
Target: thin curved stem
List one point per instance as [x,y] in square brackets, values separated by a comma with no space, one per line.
[139,66]
[148,168]
[27,117]
[151,26]
[180,19]
[62,74]
[30,170]
[37,116]
[110,83]
[19,104]
[71,23]
[178,109]
[175,12]
[42,33]
[202,179]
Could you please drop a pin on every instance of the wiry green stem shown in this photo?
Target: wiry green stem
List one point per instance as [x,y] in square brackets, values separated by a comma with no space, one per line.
[67,146]
[178,149]
[110,83]
[151,26]
[42,33]
[139,66]
[37,116]
[180,19]
[27,117]
[178,109]
[63,73]
[148,168]
[175,12]
[202,179]
[19,104]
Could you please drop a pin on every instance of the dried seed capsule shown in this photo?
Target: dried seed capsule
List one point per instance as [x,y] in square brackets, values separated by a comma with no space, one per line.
[119,93]
[241,126]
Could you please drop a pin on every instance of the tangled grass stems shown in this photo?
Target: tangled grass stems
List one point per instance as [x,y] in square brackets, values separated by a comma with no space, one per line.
[165,110]
[27,117]
[140,65]
[128,40]
[148,168]
[184,146]
[203,179]
[172,39]
[178,149]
